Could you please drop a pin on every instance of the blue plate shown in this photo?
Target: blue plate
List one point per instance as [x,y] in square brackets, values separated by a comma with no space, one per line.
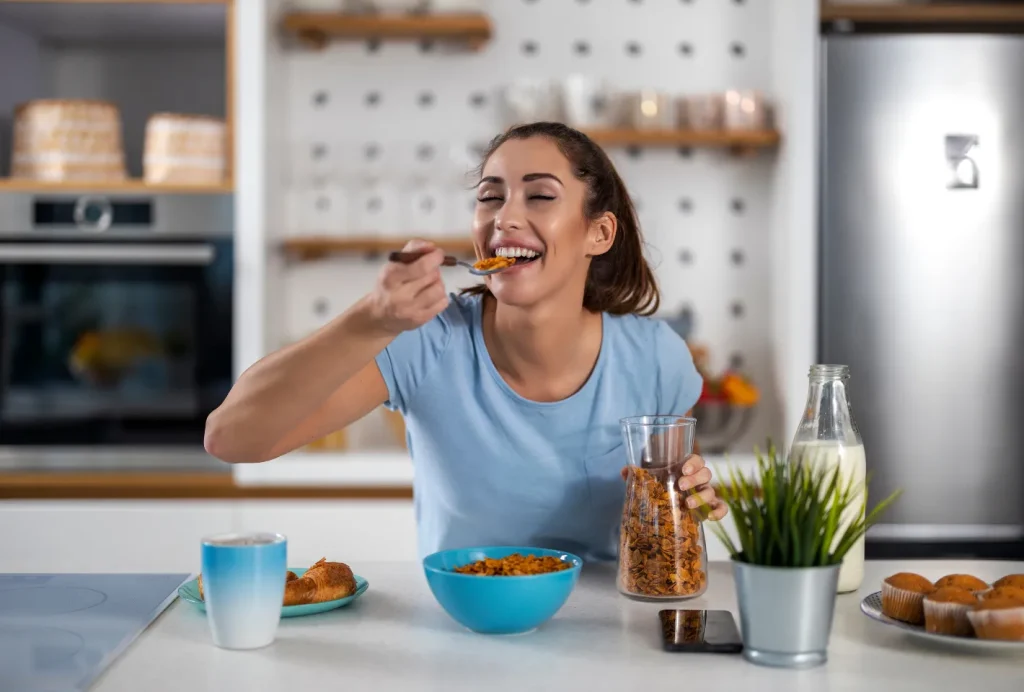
[189,591]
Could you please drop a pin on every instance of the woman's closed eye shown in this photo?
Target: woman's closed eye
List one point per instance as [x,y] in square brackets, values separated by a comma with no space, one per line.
[495,198]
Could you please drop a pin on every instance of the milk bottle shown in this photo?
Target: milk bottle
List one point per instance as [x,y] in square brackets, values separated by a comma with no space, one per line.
[828,435]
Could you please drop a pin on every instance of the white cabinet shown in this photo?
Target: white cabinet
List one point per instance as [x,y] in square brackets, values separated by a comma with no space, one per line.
[159,536]
[351,531]
[98,536]
[150,536]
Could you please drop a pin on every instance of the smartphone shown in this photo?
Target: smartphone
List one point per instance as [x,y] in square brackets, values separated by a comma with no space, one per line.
[700,631]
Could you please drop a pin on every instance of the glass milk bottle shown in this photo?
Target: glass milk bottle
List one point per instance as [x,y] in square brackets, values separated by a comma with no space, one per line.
[828,434]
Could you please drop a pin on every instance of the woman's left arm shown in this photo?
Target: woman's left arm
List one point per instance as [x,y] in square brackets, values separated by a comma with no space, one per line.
[680,385]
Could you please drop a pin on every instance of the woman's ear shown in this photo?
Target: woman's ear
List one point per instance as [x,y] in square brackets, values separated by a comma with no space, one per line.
[601,234]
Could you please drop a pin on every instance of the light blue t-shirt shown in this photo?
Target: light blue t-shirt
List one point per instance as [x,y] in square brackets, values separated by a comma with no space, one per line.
[493,468]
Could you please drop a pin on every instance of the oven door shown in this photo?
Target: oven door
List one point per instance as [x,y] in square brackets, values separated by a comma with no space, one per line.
[112,343]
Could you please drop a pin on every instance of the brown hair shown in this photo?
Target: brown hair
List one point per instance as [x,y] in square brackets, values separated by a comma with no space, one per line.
[620,281]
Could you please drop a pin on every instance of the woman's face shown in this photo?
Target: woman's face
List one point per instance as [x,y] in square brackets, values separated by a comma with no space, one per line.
[529,204]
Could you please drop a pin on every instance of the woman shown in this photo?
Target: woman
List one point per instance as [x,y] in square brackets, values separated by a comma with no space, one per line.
[511,392]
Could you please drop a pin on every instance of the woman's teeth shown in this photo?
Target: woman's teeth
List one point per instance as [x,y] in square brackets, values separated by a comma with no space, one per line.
[516,252]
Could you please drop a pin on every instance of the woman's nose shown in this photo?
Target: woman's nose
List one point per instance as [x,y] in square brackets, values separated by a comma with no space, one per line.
[511,216]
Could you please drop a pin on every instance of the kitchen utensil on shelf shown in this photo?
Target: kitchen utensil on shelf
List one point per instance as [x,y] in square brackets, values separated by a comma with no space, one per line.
[449,261]
[530,100]
[702,112]
[586,101]
[647,109]
[745,111]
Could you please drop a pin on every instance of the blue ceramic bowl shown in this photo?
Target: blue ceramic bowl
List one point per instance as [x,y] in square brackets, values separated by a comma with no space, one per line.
[499,605]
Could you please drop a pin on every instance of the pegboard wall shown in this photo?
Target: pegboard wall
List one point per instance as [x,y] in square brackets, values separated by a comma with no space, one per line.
[380,136]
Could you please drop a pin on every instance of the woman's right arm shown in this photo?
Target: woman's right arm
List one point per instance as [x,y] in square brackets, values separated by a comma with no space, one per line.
[330,379]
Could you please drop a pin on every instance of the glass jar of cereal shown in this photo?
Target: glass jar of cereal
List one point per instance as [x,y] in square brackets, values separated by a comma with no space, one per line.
[662,553]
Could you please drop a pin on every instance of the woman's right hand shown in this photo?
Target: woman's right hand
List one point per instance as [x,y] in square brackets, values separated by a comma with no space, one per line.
[408,296]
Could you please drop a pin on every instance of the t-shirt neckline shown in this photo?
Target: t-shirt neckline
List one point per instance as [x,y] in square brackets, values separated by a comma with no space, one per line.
[481,345]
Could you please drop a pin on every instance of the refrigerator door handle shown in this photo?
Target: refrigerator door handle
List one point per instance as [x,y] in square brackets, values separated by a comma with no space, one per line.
[963,168]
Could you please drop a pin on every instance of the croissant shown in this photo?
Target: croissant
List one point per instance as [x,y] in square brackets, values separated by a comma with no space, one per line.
[324,581]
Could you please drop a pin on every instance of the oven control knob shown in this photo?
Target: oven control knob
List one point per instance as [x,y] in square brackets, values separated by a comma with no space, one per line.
[93,213]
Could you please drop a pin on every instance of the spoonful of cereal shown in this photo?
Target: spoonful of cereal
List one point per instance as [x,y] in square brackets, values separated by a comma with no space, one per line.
[482,267]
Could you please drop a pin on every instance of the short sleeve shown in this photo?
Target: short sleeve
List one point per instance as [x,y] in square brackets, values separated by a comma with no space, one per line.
[679,381]
[413,357]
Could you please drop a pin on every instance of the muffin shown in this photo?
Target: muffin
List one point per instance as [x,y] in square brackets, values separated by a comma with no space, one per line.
[1011,592]
[903,597]
[998,618]
[1016,580]
[945,611]
[962,581]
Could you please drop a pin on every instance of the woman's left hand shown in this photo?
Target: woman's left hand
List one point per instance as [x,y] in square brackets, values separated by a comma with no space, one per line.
[697,477]
[694,480]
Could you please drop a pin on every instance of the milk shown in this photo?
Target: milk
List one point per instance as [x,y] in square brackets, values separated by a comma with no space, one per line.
[852,464]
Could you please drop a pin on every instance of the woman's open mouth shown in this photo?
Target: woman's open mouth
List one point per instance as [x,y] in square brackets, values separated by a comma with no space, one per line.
[520,255]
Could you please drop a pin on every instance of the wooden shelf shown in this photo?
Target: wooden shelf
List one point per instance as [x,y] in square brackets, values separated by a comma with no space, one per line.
[911,14]
[754,139]
[117,187]
[314,247]
[316,29]
[142,485]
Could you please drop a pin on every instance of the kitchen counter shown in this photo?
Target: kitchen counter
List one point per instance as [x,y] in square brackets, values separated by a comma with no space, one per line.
[396,637]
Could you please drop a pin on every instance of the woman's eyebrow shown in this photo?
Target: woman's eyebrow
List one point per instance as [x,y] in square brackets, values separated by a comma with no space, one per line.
[538,176]
[526,178]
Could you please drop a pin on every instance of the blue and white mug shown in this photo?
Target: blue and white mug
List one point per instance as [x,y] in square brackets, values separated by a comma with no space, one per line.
[243,587]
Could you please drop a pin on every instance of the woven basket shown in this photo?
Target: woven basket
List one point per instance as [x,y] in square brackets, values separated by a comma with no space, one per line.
[185,149]
[68,140]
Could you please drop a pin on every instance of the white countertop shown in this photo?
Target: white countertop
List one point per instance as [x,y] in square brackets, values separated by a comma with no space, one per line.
[396,637]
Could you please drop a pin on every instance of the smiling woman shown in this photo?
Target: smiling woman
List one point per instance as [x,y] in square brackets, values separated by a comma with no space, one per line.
[545,157]
[512,392]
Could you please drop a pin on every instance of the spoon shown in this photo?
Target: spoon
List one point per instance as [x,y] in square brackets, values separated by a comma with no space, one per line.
[450,261]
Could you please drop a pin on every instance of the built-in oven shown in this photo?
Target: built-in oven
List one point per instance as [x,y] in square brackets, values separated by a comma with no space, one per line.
[115,330]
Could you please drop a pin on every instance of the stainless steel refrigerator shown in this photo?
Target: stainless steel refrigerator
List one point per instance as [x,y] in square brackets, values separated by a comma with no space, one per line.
[922,279]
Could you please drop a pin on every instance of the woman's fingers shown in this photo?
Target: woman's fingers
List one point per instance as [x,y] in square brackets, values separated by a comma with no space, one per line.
[703,496]
[718,511]
[701,477]
[706,498]
[693,464]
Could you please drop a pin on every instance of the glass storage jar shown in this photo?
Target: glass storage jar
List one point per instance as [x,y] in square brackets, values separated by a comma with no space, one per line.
[662,553]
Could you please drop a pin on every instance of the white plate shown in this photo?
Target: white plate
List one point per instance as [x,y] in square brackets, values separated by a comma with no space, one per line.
[872,607]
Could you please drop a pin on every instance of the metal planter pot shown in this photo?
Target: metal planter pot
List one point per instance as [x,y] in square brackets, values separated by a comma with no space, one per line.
[786,613]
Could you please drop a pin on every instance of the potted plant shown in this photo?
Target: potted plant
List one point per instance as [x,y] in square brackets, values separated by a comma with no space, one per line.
[789,524]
